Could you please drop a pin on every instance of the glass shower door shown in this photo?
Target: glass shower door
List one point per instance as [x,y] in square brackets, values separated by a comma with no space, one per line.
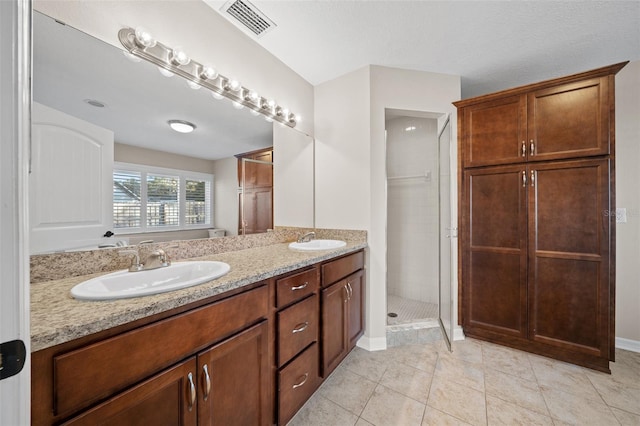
[447,231]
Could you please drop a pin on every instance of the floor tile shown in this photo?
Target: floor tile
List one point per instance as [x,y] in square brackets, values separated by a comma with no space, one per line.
[617,395]
[433,417]
[422,357]
[363,422]
[625,418]
[576,410]
[347,389]
[408,381]
[461,372]
[468,350]
[319,411]
[458,401]
[565,377]
[390,408]
[500,412]
[507,360]
[369,365]
[525,393]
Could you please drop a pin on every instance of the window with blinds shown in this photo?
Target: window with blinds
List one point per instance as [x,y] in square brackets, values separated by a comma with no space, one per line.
[149,199]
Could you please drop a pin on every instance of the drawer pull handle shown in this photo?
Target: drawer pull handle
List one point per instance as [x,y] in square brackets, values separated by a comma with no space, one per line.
[532,148]
[346,290]
[300,287]
[350,290]
[207,382]
[192,391]
[524,148]
[304,380]
[300,327]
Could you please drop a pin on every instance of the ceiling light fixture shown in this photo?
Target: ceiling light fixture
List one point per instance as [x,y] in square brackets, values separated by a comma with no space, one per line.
[140,43]
[182,126]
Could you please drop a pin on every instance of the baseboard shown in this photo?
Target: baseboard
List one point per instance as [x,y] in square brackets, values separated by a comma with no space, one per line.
[628,344]
[372,344]
[458,334]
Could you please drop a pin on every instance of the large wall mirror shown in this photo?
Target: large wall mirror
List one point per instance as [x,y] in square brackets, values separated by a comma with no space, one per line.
[83,83]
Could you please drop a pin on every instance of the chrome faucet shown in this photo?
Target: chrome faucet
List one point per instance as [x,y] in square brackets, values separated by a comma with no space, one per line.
[154,260]
[307,237]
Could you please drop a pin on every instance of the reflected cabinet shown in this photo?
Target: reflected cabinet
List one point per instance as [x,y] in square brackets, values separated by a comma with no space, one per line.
[537,233]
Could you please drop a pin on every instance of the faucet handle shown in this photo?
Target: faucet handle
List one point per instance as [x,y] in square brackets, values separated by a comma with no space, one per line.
[135,263]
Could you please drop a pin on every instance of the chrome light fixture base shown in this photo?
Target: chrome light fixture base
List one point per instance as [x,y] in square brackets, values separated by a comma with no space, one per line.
[163,56]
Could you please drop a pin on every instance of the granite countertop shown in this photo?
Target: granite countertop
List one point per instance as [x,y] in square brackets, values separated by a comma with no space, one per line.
[57,318]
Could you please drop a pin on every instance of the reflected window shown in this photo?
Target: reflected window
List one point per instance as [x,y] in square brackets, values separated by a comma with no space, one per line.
[148,199]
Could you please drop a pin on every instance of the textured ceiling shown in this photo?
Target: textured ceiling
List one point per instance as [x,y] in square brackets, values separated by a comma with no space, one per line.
[491,45]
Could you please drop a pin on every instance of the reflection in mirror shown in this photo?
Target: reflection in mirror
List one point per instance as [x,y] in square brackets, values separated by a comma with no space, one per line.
[92,81]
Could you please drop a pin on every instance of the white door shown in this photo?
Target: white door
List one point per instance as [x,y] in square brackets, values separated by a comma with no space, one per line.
[15,57]
[71,181]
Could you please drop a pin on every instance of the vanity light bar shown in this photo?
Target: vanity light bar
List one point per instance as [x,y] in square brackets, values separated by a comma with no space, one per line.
[140,43]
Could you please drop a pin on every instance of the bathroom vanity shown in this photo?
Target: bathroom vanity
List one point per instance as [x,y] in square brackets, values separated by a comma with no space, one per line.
[248,348]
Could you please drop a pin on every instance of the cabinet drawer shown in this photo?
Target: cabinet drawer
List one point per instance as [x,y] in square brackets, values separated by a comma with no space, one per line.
[297,328]
[296,287]
[340,268]
[297,382]
[91,373]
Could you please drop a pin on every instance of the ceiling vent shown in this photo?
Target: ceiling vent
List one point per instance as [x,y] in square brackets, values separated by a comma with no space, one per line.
[249,16]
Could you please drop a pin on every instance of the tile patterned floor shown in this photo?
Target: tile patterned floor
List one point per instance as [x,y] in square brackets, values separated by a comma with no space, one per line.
[408,310]
[478,384]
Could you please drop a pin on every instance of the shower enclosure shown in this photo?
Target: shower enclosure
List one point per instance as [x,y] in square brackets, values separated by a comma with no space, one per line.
[419,226]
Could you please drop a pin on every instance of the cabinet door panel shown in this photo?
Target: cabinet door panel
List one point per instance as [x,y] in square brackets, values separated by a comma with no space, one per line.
[239,380]
[569,237]
[495,132]
[495,250]
[355,284]
[570,121]
[162,400]
[334,317]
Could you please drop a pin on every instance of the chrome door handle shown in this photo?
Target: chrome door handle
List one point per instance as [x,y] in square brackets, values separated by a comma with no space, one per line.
[524,179]
[300,287]
[532,148]
[533,178]
[350,290]
[207,382]
[524,149]
[192,391]
[300,327]
[346,291]
[304,380]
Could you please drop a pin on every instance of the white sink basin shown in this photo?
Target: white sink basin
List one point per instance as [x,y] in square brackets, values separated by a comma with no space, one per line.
[125,284]
[315,245]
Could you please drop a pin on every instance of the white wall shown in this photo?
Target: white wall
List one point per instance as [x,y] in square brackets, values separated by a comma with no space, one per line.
[351,157]
[293,165]
[412,208]
[628,196]
[202,32]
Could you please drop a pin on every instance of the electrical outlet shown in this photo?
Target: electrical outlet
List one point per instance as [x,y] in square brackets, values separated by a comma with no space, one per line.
[621,215]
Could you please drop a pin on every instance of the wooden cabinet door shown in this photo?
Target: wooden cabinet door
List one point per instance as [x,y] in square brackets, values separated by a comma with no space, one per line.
[233,380]
[168,398]
[495,132]
[569,121]
[334,326]
[495,250]
[570,225]
[355,323]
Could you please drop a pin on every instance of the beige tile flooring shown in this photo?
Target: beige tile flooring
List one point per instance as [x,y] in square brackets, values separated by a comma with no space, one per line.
[478,384]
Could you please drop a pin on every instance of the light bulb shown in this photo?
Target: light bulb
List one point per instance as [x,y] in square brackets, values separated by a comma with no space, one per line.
[279,111]
[238,105]
[254,112]
[165,72]
[131,57]
[179,57]
[233,85]
[297,118]
[208,73]
[194,86]
[252,96]
[144,38]
[217,96]
[268,119]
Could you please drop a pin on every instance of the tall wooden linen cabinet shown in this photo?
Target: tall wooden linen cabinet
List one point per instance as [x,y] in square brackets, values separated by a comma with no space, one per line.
[537,217]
